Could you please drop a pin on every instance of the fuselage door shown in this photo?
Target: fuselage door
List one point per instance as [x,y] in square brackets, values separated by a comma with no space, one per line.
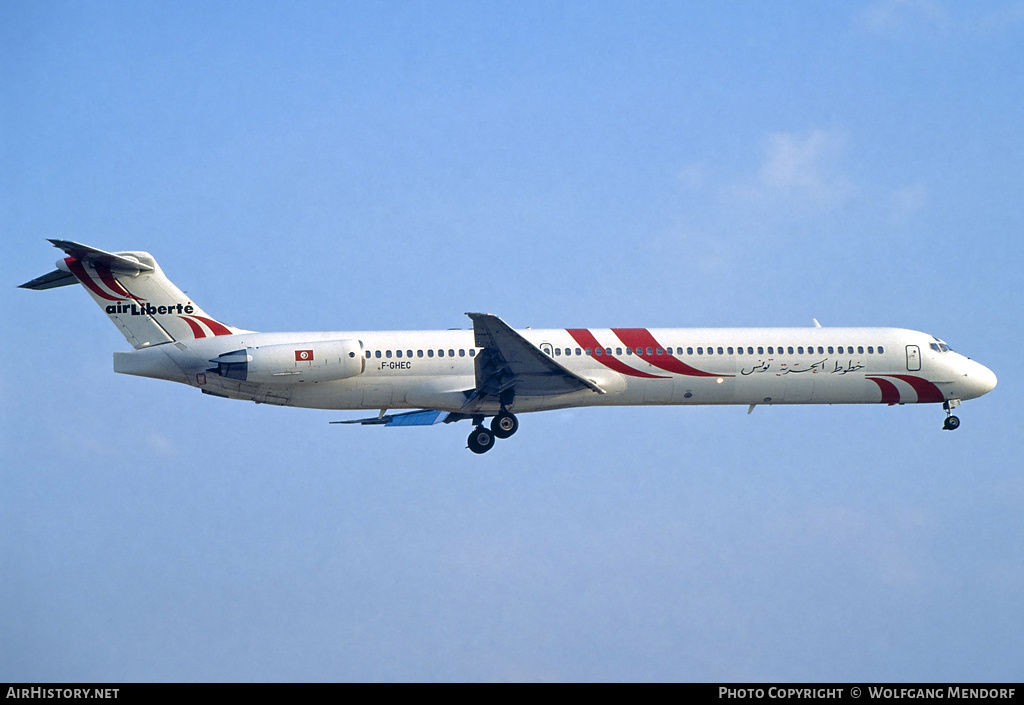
[913,358]
[546,349]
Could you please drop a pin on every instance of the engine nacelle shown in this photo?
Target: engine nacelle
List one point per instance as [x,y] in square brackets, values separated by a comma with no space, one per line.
[293,363]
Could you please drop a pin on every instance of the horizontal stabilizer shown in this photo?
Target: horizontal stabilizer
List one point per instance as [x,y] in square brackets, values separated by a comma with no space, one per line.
[50,281]
[118,263]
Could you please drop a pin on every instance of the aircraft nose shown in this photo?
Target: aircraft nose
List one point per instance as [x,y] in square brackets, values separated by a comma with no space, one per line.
[983,380]
[987,379]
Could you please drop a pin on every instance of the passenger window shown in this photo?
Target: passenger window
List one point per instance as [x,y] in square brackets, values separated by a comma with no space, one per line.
[800,350]
[720,351]
[618,351]
[860,349]
[398,353]
[387,353]
[607,351]
[462,352]
[760,350]
[790,349]
[472,352]
[730,350]
[451,353]
[430,353]
[689,351]
[771,350]
[650,351]
[589,351]
[368,353]
[578,352]
[871,350]
[830,350]
[558,352]
[659,351]
[440,353]
[880,350]
[700,351]
[598,351]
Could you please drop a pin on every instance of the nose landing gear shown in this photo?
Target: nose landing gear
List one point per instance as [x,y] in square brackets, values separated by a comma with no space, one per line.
[951,423]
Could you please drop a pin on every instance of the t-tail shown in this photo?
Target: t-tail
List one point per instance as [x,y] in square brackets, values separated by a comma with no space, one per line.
[132,290]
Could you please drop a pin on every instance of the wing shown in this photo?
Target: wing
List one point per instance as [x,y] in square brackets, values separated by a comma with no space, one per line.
[509,361]
[507,364]
[424,417]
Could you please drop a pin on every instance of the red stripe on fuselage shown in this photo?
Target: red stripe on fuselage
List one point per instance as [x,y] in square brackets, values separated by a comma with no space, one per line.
[927,392]
[890,394]
[641,338]
[585,338]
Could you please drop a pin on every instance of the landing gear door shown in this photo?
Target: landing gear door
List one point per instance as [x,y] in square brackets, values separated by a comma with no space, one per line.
[913,358]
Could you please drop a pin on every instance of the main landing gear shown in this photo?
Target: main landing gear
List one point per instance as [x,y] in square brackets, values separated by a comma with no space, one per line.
[503,425]
[951,423]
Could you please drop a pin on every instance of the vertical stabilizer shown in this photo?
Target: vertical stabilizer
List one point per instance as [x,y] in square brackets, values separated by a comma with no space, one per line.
[132,290]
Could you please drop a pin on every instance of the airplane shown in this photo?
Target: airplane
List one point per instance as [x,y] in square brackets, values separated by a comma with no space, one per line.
[493,371]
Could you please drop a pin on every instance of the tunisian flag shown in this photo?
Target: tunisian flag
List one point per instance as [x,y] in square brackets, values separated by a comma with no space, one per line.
[303,355]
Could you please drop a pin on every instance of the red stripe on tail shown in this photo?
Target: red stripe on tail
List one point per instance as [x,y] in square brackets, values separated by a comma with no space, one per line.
[215,327]
[78,270]
[197,330]
[113,284]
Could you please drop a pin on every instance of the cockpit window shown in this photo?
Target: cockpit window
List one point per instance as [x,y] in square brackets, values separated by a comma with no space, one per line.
[940,347]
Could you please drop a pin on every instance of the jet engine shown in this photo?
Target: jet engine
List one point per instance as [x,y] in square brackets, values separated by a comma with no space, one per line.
[293,363]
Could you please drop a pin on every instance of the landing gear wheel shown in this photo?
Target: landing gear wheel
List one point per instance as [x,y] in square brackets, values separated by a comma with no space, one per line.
[504,425]
[480,440]
[952,423]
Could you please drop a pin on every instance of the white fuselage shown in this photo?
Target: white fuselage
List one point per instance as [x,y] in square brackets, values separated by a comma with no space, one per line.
[435,369]
[493,370]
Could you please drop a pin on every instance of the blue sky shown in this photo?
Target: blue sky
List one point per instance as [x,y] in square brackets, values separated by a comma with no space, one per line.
[334,166]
